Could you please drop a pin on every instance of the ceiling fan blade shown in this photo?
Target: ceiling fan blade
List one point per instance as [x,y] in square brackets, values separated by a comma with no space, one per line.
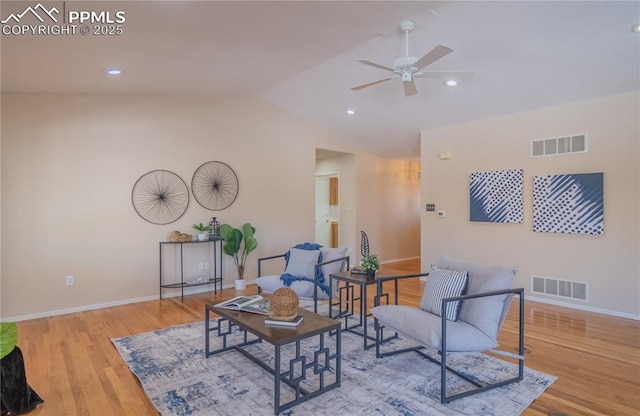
[385,67]
[457,75]
[436,53]
[409,88]
[369,84]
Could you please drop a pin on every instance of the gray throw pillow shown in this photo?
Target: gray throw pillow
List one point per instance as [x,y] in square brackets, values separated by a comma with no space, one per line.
[442,284]
[302,263]
[329,254]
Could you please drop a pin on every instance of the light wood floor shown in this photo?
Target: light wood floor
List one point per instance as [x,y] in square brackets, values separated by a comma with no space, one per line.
[73,365]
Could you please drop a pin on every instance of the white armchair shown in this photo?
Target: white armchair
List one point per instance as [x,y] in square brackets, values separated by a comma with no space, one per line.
[306,271]
[462,310]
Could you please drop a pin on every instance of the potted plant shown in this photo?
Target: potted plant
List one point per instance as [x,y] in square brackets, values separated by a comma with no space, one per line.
[203,230]
[238,243]
[370,264]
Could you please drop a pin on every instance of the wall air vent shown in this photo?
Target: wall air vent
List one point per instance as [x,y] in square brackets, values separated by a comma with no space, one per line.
[559,145]
[561,288]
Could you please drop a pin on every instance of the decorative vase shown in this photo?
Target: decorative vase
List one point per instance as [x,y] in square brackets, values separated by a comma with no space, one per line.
[241,284]
[203,237]
[371,273]
[214,234]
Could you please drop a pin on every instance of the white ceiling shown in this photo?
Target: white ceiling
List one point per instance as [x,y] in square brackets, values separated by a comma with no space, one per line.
[301,55]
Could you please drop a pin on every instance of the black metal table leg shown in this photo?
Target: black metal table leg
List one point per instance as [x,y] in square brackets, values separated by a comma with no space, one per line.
[276,381]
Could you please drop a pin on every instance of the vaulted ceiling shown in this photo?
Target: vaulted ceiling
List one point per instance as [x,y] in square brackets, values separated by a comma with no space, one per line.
[302,56]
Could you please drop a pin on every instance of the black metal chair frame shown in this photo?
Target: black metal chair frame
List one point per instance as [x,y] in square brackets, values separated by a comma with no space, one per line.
[443,353]
[316,272]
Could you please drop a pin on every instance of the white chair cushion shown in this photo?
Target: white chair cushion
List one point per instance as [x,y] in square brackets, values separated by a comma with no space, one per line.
[425,328]
[487,313]
[302,288]
[269,283]
[441,284]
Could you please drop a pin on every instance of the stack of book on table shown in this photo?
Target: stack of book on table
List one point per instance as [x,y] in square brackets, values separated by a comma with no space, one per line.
[288,324]
[258,304]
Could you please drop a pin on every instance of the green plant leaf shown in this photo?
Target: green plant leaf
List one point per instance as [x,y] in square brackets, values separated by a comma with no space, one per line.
[226,232]
[8,337]
[248,230]
[250,244]
[229,248]
[370,262]
[236,239]
[201,227]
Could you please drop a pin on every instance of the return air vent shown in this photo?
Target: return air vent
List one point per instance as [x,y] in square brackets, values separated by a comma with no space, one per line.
[561,288]
[559,145]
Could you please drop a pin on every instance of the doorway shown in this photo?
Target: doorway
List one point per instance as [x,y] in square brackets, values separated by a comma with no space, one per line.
[328,210]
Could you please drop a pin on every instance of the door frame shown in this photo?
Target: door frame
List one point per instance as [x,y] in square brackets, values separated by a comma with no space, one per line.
[335,211]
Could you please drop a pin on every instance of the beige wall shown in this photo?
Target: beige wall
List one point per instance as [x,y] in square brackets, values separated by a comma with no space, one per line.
[68,166]
[608,263]
[384,197]
[388,206]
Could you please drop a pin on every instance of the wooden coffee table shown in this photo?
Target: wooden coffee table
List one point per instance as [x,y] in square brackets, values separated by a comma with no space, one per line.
[323,365]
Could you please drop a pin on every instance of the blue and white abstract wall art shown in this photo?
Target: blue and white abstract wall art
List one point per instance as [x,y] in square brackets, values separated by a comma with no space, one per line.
[572,204]
[496,196]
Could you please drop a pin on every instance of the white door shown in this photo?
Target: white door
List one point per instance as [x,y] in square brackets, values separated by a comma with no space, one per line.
[323,212]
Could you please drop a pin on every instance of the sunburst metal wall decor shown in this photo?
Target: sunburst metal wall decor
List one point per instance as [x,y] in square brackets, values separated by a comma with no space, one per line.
[215,185]
[160,197]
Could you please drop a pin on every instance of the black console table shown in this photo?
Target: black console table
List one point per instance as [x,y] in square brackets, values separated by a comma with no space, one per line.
[214,274]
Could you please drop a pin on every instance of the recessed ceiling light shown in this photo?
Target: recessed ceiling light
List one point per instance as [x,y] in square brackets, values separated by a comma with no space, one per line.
[451,83]
[114,71]
[635,28]
[351,111]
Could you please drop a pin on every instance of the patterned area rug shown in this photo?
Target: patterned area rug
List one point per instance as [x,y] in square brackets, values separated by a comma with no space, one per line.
[179,380]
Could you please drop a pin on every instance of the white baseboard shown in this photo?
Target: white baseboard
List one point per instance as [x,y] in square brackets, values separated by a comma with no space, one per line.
[202,289]
[76,309]
[398,260]
[187,291]
[583,308]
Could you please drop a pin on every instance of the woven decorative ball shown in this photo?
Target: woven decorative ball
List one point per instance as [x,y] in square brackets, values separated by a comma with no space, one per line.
[284,304]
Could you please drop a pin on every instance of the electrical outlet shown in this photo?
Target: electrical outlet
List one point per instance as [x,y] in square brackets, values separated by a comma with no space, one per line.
[206,265]
[69,280]
[201,266]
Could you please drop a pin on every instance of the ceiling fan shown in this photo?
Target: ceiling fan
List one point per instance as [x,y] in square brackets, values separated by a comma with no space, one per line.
[409,67]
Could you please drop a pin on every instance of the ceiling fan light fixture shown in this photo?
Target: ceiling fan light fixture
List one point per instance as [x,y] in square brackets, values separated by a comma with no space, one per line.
[407,25]
[407,67]
[451,83]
